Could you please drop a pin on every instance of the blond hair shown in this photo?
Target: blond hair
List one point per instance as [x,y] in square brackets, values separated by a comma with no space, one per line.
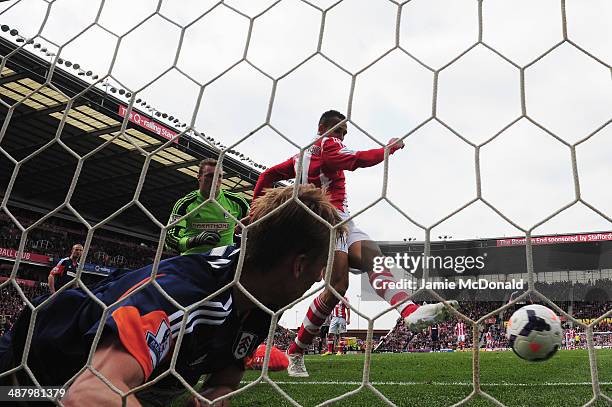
[291,229]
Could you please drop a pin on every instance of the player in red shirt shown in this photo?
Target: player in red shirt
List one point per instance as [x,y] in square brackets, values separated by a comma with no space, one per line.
[570,338]
[323,165]
[489,340]
[341,317]
[460,334]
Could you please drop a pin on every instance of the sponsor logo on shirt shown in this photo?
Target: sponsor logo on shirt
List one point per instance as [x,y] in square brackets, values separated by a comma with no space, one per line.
[210,226]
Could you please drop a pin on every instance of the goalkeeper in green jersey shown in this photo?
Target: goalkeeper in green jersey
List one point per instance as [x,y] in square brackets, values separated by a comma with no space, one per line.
[209,226]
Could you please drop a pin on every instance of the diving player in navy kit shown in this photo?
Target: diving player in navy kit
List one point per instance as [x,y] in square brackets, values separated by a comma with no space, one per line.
[287,250]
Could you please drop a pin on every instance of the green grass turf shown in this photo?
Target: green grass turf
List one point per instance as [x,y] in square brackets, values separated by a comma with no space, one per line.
[438,379]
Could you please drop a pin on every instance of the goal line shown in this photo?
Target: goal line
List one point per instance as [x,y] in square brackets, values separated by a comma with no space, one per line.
[408,383]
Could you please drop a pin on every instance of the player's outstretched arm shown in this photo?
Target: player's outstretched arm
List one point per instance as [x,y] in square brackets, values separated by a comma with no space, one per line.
[118,366]
[339,157]
[279,172]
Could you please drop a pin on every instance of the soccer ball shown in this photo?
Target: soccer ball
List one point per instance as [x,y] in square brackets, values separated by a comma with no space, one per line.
[534,332]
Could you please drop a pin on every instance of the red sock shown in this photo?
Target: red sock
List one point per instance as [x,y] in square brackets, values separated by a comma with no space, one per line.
[409,309]
[311,326]
[330,346]
[392,296]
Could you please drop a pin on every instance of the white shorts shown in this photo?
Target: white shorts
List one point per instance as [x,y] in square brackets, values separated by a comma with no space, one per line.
[337,326]
[461,338]
[354,234]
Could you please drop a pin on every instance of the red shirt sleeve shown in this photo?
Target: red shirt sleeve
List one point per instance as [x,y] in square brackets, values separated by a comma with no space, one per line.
[337,156]
[279,172]
[58,270]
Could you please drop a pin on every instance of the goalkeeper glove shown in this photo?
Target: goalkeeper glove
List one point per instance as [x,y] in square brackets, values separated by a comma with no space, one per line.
[203,239]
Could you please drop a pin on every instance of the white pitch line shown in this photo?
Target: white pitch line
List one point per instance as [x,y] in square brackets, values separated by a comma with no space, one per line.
[355,383]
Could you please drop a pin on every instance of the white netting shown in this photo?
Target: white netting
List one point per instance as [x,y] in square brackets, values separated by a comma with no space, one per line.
[246,23]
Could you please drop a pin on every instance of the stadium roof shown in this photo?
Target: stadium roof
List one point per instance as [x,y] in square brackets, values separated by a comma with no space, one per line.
[109,177]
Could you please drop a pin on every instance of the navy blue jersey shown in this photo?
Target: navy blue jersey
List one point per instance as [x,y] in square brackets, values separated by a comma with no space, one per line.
[146,323]
[63,272]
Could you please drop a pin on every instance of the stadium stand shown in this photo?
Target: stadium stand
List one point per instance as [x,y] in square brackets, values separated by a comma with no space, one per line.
[283,337]
[11,303]
[399,339]
[55,237]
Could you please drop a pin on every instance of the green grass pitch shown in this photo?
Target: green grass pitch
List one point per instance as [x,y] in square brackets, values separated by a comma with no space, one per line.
[439,379]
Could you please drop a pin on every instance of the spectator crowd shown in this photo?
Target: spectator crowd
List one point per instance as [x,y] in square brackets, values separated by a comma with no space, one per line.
[11,302]
[55,237]
[400,339]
